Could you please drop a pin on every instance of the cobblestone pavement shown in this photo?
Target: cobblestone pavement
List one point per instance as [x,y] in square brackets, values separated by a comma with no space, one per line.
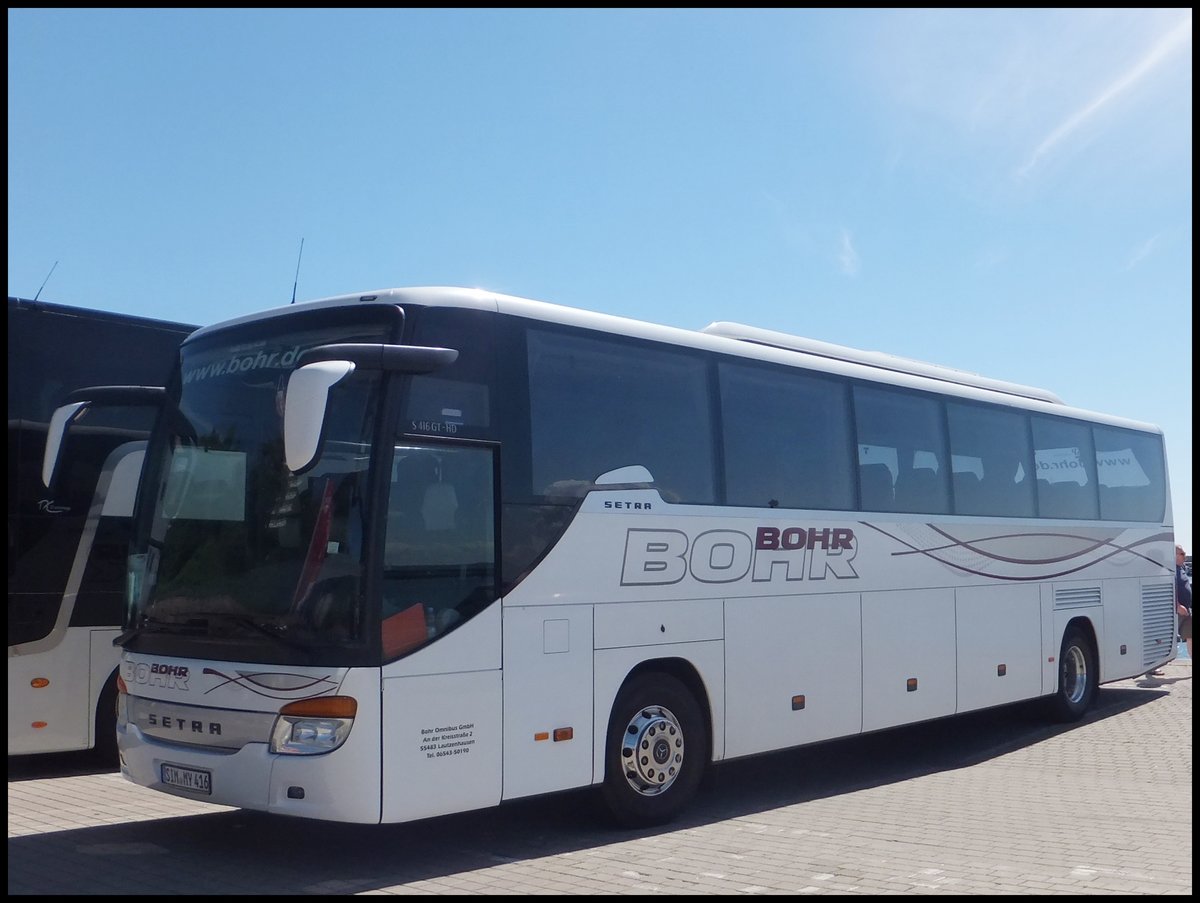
[989,803]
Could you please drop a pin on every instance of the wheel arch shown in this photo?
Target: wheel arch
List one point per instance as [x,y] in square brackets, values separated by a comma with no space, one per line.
[1086,626]
[683,670]
[658,709]
[686,673]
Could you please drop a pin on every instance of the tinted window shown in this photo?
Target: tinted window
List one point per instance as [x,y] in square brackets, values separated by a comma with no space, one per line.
[901,452]
[1065,463]
[596,405]
[990,459]
[1131,473]
[439,552]
[455,400]
[787,439]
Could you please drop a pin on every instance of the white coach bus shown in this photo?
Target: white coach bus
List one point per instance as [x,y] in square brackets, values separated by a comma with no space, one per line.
[422,551]
[67,549]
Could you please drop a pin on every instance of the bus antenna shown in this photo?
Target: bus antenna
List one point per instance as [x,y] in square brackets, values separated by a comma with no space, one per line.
[297,281]
[44,281]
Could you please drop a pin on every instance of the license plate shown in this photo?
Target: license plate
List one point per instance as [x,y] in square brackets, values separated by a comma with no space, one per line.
[193,780]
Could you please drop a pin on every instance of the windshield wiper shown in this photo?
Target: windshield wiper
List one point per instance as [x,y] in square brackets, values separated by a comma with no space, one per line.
[144,624]
[270,630]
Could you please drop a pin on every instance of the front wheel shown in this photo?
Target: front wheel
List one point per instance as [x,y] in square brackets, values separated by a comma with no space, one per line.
[1078,677]
[656,751]
[104,749]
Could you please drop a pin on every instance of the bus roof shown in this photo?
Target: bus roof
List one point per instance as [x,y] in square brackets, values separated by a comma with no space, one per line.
[875,359]
[723,336]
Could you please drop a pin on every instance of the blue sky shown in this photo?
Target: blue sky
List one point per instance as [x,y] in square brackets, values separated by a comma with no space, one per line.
[1003,191]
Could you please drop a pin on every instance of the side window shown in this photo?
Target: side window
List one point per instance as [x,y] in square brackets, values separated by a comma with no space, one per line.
[599,404]
[439,545]
[787,439]
[455,400]
[1131,474]
[902,458]
[991,461]
[1065,462]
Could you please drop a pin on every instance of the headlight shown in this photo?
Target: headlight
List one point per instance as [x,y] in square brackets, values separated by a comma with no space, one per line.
[313,726]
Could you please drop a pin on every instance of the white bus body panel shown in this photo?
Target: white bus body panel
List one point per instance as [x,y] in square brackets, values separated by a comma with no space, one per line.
[908,634]
[442,741]
[77,669]
[657,623]
[1121,640]
[1128,646]
[999,645]
[780,647]
[547,685]
[443,730]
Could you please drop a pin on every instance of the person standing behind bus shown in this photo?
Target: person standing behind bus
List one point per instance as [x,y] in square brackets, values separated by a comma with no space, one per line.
[1183,598]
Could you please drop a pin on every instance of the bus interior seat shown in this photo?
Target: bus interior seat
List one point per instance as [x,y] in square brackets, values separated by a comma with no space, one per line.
[968,492]
[1063,499]
[877,490]
[439,506]
[1124,503]
[413,474]
[919,490]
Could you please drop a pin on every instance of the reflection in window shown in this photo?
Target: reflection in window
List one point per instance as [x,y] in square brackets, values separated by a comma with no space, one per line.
[1065,463]
[901,441]
[439,548]
[1131,473]
[599,405]
[787,439]
[990,452]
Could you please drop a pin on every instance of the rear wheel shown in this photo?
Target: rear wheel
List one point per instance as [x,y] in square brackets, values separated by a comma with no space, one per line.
[1078,677]
[656,751]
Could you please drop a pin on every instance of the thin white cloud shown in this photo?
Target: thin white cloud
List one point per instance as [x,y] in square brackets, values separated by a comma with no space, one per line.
[1142,251]
[1177,37]
[847,256]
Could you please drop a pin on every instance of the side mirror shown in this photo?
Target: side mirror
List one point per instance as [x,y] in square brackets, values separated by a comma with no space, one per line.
[55,434]
[77,402]
[320,368]
[304,410]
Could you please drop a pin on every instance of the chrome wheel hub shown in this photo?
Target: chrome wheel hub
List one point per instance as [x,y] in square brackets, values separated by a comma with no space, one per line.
[652,750]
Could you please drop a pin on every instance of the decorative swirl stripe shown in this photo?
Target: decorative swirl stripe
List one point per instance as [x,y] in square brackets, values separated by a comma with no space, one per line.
[269,683]
[973,546]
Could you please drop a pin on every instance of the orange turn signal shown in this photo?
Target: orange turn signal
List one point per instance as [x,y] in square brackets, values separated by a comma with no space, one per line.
[323,707]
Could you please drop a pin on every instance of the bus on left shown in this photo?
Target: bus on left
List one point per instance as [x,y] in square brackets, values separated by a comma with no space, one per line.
[67,547]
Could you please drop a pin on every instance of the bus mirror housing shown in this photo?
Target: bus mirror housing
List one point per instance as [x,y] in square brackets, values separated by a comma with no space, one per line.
[304,410]
[55,433]
[320,368]
[77,404]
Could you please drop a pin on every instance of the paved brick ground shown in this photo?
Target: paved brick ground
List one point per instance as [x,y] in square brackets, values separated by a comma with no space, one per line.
[992,803]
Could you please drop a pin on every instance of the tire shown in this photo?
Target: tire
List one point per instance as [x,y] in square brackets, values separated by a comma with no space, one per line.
[104,749]
[656,751]
[1078,677]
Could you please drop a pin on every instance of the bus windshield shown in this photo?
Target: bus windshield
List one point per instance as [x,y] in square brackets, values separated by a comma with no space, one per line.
[236,552]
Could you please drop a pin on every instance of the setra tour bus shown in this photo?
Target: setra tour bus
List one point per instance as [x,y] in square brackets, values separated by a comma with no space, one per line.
[422,551]
[67,550]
